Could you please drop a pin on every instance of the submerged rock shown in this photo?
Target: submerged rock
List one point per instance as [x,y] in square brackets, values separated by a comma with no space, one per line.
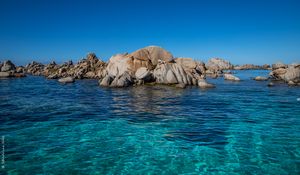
[66,80]
[231,77]
[182,86]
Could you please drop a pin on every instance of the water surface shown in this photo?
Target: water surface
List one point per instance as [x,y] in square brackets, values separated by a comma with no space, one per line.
[237,128]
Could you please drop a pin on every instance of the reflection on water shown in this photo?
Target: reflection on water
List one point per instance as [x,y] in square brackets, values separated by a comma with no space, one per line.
[80,128]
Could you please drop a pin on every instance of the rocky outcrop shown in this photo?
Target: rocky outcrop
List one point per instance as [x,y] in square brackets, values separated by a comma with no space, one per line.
[7,66]
[8,69]
[151,64]
[252,67]
[218,64]
[126,69]
[287,73]
[89,67]
[231,77]
[35,68]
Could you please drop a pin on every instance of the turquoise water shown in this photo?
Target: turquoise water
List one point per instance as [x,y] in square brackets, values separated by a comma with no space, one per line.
[237,128]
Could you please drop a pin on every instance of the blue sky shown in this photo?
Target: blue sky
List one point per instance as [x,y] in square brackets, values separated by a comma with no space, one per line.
[256,31]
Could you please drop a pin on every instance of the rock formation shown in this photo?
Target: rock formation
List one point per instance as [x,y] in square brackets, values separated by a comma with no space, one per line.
[287,73]
[8,69]
[218,64]
[89,67]
[151,64]
[35,68]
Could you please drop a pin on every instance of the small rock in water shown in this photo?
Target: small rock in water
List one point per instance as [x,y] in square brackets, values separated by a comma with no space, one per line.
[66,80]
[260,78]
[271,84]
[231,77]
[181,85]
[291,83]
[203,84]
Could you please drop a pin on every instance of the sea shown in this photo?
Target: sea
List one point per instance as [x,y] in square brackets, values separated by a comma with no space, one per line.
[241,127]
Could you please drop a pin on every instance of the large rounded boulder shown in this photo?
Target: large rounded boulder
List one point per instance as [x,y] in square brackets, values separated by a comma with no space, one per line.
[154,54]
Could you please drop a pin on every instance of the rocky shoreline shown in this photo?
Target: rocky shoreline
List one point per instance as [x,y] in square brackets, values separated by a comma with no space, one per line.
[152,65]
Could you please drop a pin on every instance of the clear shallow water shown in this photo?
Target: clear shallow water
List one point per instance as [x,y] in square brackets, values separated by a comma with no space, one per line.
[80,128]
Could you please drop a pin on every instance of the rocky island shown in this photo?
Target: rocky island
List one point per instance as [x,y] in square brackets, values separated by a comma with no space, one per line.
[149,65]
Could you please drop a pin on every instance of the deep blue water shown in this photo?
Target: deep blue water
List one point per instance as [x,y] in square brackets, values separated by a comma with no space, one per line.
[237,128]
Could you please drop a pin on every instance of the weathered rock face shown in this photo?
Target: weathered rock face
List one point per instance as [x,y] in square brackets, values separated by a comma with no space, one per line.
[123,80]
[120,63]
[231,77]
[7,66]
[251,67]
[173,73]
[143,74]
[218,64]
[194,68]
[288,73]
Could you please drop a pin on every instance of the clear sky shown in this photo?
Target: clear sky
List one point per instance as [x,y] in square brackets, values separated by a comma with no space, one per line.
[254,31]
